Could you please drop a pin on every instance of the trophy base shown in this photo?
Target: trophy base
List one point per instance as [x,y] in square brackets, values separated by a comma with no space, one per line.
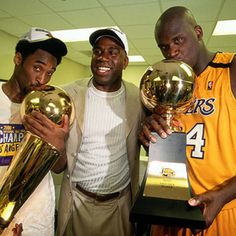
[148,211]
[161,211]
[163,196]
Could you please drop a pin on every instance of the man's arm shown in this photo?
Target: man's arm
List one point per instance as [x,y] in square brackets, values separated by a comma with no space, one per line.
[214,200]
[233,76]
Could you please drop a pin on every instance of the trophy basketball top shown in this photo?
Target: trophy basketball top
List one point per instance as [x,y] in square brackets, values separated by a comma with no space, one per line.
[167,87]
[53,102]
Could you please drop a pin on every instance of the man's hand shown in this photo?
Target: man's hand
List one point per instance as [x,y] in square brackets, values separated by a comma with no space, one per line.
[46,129]
[17,230]
[210,203]
[153,123]
[214,200]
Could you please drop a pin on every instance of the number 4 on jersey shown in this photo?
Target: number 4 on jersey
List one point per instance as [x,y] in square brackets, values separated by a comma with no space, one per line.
[195,138]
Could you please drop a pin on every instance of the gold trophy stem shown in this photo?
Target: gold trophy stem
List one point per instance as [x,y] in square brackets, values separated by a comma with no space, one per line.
[169,117]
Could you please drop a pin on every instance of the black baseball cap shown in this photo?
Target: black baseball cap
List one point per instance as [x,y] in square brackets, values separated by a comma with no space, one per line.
[42,39]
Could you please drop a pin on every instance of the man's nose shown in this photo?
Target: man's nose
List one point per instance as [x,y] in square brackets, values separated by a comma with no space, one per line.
[104,55]
[173,51]
[43,78]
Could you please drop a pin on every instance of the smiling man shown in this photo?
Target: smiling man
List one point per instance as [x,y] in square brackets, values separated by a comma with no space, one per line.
[101,169]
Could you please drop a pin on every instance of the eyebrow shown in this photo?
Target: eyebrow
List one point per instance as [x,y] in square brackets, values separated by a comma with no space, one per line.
[161,45]
[43,63]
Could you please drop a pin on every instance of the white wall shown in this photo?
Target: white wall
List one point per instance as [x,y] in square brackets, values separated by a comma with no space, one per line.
[134,74]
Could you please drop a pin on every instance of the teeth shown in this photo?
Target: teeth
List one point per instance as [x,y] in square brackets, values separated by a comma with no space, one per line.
[104,68]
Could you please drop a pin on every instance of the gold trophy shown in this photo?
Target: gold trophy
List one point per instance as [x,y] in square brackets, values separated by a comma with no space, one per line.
[34,157]
[167,88]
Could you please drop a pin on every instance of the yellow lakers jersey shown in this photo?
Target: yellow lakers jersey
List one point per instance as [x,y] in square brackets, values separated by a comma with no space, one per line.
[211,127]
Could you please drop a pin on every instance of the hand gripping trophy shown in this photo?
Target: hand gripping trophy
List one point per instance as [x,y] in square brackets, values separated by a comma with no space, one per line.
[35,157]
[167,88]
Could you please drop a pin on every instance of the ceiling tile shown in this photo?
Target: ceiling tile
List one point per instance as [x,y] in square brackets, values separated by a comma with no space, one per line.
[108,3]
[139,31]
[45,21]
[13,26]
[135,14]
[23,7]
[202,10]
[95,17]
[70,5]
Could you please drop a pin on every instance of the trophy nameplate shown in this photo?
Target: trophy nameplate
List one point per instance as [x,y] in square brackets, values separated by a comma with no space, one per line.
[166,170]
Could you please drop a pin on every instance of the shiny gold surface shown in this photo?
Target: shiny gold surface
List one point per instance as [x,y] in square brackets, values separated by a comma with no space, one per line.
[167,87]
[35,157]
[52,102]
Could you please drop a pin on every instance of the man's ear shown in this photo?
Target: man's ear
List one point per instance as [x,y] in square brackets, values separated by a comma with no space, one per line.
[126,62]
[17,59]
[199,31]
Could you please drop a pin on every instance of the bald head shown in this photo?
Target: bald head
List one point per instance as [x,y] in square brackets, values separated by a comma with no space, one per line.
[179,37]
[174,14]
